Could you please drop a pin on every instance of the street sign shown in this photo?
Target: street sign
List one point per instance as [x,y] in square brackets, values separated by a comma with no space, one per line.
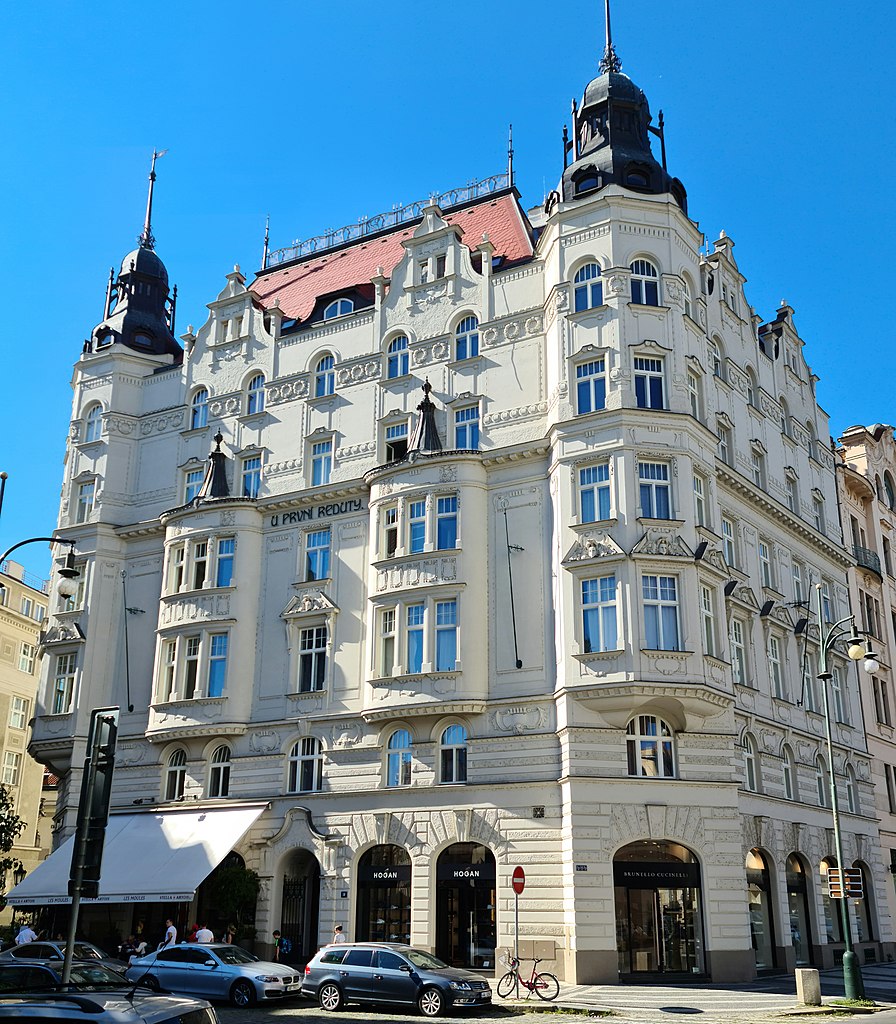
[519,880]
[845,884]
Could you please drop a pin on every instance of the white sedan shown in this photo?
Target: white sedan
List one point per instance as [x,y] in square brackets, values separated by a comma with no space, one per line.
[215,971]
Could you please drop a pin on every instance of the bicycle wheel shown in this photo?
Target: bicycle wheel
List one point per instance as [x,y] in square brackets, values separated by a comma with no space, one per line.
[507,984]
[546,986]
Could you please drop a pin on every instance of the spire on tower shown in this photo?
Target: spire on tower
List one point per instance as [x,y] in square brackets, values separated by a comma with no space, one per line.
[146,239]
[510,154]
[267,242]
[610,60]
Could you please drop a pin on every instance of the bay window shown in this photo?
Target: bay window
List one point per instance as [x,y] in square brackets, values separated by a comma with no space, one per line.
[660,597]
[594,492]
[599,627]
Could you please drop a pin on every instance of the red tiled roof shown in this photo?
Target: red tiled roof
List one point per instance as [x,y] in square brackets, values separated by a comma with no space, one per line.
[298,287]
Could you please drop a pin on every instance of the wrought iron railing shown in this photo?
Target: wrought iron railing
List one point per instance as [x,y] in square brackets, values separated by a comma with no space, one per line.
[384,221]
[28,578]
[868,559]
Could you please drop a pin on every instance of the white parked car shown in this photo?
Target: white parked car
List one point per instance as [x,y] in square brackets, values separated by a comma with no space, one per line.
[215,971]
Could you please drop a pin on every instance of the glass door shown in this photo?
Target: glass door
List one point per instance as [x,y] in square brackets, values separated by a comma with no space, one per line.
[663,934]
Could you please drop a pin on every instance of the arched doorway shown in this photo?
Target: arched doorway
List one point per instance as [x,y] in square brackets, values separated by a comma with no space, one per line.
[466,927]
[864,919]
[659,925]
[833,922]
[299,908]
[798,908]
[762,921]
[384,895]
[229,880]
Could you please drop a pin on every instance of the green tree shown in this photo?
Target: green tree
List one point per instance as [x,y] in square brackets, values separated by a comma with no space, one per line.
[233,891]
[11,827]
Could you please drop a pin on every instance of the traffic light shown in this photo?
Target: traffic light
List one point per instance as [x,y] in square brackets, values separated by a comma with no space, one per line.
[835,884]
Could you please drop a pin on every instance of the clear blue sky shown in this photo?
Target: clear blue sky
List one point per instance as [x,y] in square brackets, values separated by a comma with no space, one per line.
[779,122]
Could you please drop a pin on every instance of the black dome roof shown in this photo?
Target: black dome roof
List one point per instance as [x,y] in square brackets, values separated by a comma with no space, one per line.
[146,262]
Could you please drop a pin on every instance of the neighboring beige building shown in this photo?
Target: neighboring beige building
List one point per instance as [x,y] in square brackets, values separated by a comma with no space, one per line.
[868,511]
[23,607]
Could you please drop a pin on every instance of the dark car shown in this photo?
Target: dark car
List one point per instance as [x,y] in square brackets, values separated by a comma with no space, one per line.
[46,976]
[387,972]
[56,951]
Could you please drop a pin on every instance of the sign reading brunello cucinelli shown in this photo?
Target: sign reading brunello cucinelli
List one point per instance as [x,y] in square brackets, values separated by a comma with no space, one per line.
[306,515]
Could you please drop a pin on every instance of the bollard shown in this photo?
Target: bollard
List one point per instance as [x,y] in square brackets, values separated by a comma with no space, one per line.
[808,986]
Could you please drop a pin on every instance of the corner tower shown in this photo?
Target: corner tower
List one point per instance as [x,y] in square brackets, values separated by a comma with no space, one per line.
[610,141]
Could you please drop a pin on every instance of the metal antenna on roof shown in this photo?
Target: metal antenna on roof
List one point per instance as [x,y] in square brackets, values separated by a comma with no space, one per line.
[510,155]
[267,239]
[610,60]
[146,239]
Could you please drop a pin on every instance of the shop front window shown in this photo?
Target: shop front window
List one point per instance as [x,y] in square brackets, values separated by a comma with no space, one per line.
[384,895]
[466,922]
[798,908]
[759,904]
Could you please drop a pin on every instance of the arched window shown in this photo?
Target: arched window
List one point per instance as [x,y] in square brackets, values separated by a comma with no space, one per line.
[645,283]
[397,357]
[890,492]
[324,377]
[93,423]
[760,902]
[454,754]
[305,762]
[821,781]
[398,761]
[852,791]
[813,440]
[255,395]
[751,388]
[176,775]
[798,905]
[715,358]
[589,288]
[466,338]
[686,298]
[751,765]
[864,921]
[340,307]
[199,409]
[649,746]
[785,418]
[787,768]
[219,772]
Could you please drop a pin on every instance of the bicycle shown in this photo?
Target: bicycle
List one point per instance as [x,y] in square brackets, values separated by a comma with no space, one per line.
[544,985]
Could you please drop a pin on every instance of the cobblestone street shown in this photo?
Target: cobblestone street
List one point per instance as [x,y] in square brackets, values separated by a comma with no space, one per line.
[308,1013]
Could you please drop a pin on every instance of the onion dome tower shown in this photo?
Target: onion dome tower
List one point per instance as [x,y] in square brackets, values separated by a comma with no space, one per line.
[610,141]
[139,313]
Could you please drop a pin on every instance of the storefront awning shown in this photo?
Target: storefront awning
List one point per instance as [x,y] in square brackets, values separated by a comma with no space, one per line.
[148,857]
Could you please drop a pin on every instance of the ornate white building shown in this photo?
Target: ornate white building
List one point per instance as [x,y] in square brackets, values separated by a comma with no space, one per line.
[464,539]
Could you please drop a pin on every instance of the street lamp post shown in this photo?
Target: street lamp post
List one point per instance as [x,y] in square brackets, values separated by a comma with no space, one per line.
[858,650]
[66,586]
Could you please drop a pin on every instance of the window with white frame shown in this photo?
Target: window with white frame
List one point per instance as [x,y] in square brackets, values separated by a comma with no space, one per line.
[250,474]
[649,748]
[193,665]
[645,283]
[700,517]
[766,568]
[708,616]
[827,604]
[775,667]
[660,598]
[414,622]
[890,776]
[729,542]
[70,604]
[453,755]
[321,462]
[18,713]
[852,791]
[324,376]
[387,637]
[396,440]
[397,357]
[591,386]
[416,520]
[226,549]
[819,515]
[739,652]
[594,492]
[390,530]
[599,628]
[192,484]
[217,663]
[792,494]
[649,390]
[751,765]
[27,655]
[654,494]
[466,428]
[27,606]
[715,360]
[797,574]
[312,658]
[695,397]
[446,635]
[839,695]
[810,694]
[789,773]
[176,775]
[255,395]
[338,307]
[199,409]
[821,781]
[219,772]
[757,467]
[305,766]
[880,689]
[686,298]
[446,522]
[199,564]
[93,423]
[588,287]
[194,564]
[85,502]
[422,523]
[12,768]
[751,389]
[466,338]
[190,651]
[398,759]
[317,554]
[64,682]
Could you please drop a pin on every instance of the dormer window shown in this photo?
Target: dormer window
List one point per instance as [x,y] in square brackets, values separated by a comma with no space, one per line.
[340,307]
[143,340]
[105,339]
[637,179]
[587,183]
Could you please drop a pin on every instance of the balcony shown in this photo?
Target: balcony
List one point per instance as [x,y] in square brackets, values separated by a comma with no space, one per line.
[868,559]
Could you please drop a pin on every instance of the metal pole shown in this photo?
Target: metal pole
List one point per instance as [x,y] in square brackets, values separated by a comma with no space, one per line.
[853,987]
[78,877]
[516,939]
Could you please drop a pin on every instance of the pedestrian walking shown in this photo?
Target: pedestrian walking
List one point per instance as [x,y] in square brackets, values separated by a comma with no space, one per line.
[338,935]
[277,941]
[26,934]
[205,935]
[170,935]
[230,934]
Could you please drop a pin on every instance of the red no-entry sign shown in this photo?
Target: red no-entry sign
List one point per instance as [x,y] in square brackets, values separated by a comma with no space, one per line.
[519,880]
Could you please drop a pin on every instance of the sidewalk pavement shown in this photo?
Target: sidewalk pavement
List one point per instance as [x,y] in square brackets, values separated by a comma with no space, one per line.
[764,1000]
